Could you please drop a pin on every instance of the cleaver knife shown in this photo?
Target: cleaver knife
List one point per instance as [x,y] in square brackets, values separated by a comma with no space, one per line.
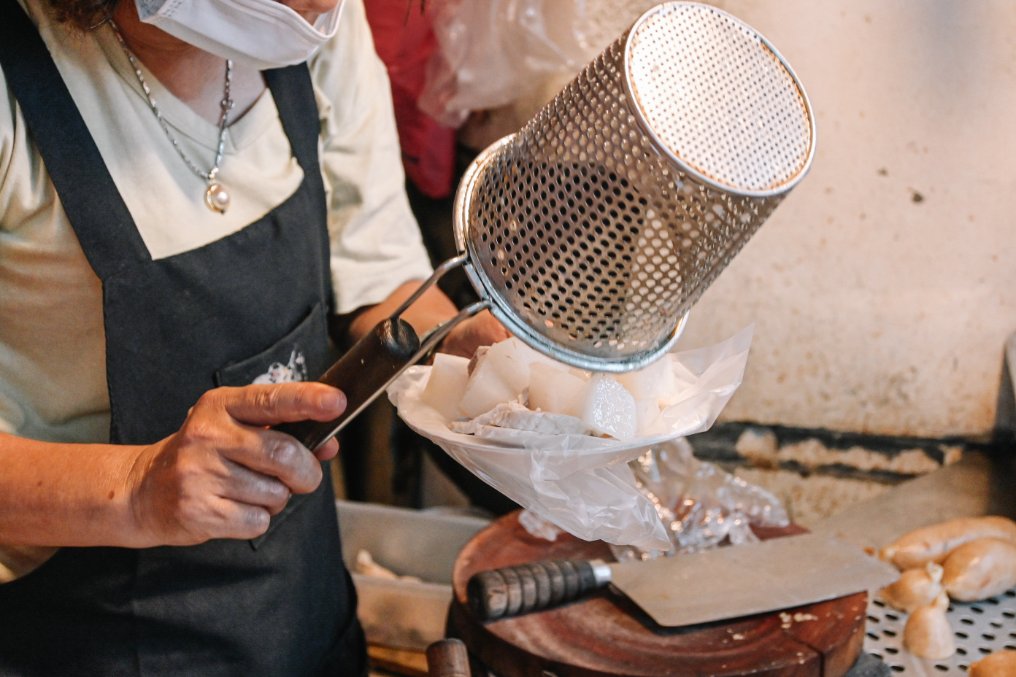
[727,582]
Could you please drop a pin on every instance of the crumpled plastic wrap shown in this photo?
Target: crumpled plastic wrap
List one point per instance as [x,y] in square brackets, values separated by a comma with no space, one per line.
[492,52]
[700,504]
[580,483]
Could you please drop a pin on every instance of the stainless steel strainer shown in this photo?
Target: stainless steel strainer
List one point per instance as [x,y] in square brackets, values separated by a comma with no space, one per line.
[593,230]
[596,227]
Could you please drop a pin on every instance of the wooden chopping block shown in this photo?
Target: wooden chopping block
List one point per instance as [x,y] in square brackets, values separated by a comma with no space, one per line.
[605,634]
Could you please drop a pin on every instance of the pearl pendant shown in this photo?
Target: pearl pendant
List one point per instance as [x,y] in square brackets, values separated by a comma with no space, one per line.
[217,198]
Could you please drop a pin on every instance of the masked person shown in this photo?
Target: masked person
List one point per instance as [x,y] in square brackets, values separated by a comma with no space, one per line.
[191,193]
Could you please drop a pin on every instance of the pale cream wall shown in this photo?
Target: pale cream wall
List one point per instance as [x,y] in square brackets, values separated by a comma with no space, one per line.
[883,288]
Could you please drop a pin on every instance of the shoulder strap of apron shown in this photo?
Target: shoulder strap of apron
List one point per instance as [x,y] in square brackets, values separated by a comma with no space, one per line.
[293,92]
[86,190]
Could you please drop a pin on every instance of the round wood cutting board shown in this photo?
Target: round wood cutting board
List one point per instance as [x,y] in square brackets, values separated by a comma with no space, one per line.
[605,634]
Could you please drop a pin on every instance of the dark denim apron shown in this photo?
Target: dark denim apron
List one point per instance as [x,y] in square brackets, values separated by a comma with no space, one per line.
[218,315]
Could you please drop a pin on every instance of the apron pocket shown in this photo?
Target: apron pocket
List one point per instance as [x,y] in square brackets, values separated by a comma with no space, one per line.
[300,355]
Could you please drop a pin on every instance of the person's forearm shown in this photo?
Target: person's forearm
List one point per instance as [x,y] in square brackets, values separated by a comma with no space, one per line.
[221,475]
[65,494]
[424,314]
[430,310]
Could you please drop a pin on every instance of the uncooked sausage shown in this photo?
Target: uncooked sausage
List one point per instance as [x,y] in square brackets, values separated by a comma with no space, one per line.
[979,569]
[933,543]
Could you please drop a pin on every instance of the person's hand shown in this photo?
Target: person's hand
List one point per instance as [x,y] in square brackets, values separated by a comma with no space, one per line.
[224,473]
[481,329]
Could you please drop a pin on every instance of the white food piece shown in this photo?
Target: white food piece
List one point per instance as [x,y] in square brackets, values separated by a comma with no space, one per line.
[366,566]
[516,416]
[609,408]
[512,359]
[654,388]
[500,374]
[611,405]
[933,543]
[997,664]
[927,633]
[446,384]
[654,382]
[980,569]
[915,588]
[556,390]
[485,389]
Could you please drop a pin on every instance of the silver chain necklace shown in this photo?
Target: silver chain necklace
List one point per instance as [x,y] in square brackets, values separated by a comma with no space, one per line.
[216,195]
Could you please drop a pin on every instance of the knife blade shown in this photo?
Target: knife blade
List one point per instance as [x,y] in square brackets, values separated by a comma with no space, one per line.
[688,589]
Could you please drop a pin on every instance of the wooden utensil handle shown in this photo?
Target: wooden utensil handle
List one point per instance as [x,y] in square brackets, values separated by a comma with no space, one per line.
[362,374]
[448,658]
[510,591]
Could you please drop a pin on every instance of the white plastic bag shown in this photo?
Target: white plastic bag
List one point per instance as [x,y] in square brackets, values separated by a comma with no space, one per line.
[582,483]
[493,52]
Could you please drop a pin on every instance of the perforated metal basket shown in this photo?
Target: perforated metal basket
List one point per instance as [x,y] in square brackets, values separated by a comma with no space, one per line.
[595,228]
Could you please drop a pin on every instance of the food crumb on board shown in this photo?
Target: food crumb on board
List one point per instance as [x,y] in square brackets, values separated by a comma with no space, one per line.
[786,619]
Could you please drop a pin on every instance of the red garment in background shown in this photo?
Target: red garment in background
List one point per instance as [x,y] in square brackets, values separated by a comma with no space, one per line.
[405,41]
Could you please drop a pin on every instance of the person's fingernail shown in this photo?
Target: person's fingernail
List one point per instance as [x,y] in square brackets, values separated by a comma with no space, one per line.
[333,400]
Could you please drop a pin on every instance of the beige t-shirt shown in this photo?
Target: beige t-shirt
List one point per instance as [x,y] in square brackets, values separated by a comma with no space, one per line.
[52,346]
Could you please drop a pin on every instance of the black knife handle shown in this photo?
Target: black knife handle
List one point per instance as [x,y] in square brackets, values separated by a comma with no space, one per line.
[362,374]
[510,591]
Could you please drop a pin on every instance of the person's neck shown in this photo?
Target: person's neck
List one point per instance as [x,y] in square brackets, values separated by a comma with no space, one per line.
[193,75]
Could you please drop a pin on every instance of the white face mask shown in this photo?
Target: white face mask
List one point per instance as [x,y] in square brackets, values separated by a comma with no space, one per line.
[262,33]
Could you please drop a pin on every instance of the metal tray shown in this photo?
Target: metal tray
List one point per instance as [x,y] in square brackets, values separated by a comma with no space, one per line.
[980,628]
